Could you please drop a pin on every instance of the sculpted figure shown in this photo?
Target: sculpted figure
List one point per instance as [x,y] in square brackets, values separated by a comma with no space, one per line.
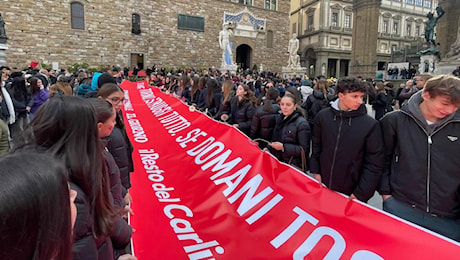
[225,45]
[293,47]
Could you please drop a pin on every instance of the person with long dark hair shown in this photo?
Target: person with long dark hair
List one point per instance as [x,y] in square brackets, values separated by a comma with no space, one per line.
[66,127]
[121,235]
[22,102]
[264,120]
[37,210]
[39,95]
[242,109]
[213,97]
[119,144]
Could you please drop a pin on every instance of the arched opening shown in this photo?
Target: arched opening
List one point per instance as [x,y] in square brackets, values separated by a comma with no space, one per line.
[243,56]
[310,62]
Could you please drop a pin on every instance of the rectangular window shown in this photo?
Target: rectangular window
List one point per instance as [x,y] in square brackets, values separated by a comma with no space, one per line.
[417,30]
[427,3]
[347,21]
[245,2]
[385,27]
[189,22]
[77,16]
[408,29]
[410,2]
[271,5]
[395,27]
[294,28]
[311,25]
[334,19]
[418,2]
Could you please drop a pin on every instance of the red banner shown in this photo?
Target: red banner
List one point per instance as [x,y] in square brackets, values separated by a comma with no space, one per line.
[203,190]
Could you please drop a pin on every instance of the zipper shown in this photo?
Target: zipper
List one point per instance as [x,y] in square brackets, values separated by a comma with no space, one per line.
[430,142]
[428,176]
[335,150]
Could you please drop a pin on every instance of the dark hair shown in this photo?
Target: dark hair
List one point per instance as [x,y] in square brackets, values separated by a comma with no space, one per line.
[105,91]
[350,85]
[103,108]
[291,97]
[19,89]
[296,93]
[272,94]
[195,86]
[34,88]
[213,86]
[35,207]
[66,127]
[184,80]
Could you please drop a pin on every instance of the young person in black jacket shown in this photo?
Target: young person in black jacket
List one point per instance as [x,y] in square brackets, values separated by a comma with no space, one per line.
[347,144]
[420,182]
[291,134]
[264,120]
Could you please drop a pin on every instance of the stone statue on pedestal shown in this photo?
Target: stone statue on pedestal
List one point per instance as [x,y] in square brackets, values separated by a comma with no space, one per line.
[226,45]
[293,48]
[430,24]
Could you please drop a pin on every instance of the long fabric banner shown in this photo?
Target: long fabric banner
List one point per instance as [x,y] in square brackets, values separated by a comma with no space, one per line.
[203,190]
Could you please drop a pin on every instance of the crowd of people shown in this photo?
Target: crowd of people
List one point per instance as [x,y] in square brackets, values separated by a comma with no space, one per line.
[70,127]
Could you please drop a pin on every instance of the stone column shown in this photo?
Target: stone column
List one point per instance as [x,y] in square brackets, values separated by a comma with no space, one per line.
[365,29]
[337,68]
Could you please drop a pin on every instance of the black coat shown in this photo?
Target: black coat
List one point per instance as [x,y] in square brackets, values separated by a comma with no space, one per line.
[241,113]
[264,122]
[121,149]
[347,151]
[380,104]
[421,158]
[293,132]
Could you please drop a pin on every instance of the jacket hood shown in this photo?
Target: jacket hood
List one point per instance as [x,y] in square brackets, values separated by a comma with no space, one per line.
[348,114]
[413,109]
[318,94]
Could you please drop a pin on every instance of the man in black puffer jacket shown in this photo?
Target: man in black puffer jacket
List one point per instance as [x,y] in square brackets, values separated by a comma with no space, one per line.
[421,180]
[347,144]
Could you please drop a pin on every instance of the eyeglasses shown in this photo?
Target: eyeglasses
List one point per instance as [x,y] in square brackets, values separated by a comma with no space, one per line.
[117,101]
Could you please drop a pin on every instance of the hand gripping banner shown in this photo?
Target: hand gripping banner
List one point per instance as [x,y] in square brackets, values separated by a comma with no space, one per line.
[203,190]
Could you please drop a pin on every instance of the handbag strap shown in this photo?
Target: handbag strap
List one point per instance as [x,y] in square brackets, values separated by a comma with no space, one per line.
[303,159]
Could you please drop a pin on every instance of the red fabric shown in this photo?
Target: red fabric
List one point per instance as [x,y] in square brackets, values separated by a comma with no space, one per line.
[210,213]
[33,64]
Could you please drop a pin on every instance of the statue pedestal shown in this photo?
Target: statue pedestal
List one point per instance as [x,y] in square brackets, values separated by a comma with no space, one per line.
[293,72]
[428,64]
[3,48]
[231,68]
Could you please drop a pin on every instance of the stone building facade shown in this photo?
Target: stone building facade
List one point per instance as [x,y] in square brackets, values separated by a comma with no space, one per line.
[127,33]
[325,29]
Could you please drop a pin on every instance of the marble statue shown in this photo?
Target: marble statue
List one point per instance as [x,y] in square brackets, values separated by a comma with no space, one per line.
[293,48]
[226,45]
[2,27]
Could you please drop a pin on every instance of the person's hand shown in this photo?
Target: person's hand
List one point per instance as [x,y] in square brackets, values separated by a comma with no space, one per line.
[224,117]
[277,146]
[352,197]
[385,197]
[127,257]
[317,177]
[236,126]
[27,108]
[128,199]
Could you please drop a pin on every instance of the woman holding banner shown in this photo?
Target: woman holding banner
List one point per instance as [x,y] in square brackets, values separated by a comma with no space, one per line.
[291,136]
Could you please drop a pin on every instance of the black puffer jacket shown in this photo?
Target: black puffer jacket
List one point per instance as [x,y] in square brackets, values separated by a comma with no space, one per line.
[347,151]
[293,132]
[421,160]
[121,149]
[241,113]
[315,103]
[85,245]
[264,122]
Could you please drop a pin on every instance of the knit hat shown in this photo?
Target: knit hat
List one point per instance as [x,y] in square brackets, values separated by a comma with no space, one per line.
[105,78]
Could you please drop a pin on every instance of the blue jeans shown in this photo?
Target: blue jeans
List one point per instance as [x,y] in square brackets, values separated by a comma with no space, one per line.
[448,227]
